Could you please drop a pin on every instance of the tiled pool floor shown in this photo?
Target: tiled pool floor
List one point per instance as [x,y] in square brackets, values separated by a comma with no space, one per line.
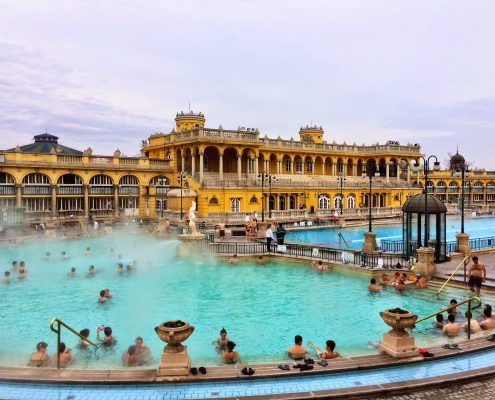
[251,387]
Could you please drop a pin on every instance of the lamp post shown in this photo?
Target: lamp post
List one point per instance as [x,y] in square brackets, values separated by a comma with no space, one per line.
[426,168]
[341,180]
[182,179]
[160,183]
[370,172]
[264,178]
[462,172]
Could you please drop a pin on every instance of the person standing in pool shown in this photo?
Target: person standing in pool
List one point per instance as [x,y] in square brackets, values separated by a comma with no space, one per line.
[15,266]
[297,351]
[83,344]
[373,287]
[65,355]
[451,329]
[22,274]
[143,352]
[229,356]
[72,272]
[221,342]
[108,340]
[6,277]
[476,275]
[329,353]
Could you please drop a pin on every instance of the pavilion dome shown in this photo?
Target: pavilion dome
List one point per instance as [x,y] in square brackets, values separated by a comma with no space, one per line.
[416,205]
[457,161]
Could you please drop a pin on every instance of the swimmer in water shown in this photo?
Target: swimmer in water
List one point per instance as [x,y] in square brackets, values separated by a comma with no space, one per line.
[83,344]
[373,287]
[129,268]
[233,260]
[64,255]
[72,272]
[102,298]
[120,268]
[91,270]
[22,265]
[21,274]
[260,260]
[88,251]
[6,277]
[15,266]
[47,255]
[221,342]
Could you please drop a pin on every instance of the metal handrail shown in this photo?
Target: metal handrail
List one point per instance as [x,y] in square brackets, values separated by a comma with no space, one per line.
[448,308]
[58,332]
[453,273]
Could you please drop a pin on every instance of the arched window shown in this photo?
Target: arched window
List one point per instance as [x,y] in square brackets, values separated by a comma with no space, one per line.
[253,200]
[281,203]
[351,201]
[235,204]
[292,202]
[213,201]
[337,201]
[323,202]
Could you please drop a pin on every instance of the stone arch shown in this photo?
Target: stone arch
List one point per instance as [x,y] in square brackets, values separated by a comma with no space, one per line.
[350,163]
[308,165]
[298,164]
[286,164]
[261,162]
[188,154]
[160,180]
[211,157]
[36,178]
[393,167]
[247,163]
[101,180]
[7,179]
[371,166]
[328,166]
[360,168]
[272,164]
[229,160]
[70,179]
[340,165]
[382,167]
[129,180]
[318,167]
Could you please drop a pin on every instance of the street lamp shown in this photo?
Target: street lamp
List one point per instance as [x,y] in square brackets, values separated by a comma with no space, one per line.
[268,178]
[426,168]
[462,172]
[341,180]
[370,171]
[181,178]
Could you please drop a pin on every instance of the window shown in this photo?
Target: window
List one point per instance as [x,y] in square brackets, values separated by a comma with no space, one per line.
[129,202]
[299,166]
[213,201]
[253,200]
[281,203]
[235,204]
[309,166]
[70,203]
[323,202]
[292,202]
[337,201]
[36,179]
[351,201]
[287,165]
[37,204]
[100,203]
[101,180]
[161,204]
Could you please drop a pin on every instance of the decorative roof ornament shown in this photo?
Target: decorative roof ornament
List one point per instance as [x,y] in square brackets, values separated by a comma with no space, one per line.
[117,153]
[18,149]
[88,151]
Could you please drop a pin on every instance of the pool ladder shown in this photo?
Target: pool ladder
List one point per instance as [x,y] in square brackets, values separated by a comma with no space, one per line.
[463,262]
[470,308]
[57,330]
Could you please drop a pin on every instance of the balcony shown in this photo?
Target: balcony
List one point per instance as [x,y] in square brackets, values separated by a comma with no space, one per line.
[70,189]
[36,189]
[105,190]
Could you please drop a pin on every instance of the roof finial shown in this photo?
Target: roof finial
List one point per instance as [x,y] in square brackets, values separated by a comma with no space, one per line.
[457,149]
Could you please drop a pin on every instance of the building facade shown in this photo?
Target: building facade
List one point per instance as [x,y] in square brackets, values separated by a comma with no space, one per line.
[225,172]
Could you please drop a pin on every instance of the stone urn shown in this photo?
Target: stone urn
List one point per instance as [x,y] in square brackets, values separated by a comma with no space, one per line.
[398,342]
[175,360]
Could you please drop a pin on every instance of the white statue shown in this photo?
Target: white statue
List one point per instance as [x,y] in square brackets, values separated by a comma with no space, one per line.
[192,217]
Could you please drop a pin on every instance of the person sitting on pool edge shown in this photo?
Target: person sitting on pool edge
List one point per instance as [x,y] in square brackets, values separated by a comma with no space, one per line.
[40,357]
[474,325]
[297,351]
[229,356]
[108,340]
[65,355]
[373,287]
[451,329]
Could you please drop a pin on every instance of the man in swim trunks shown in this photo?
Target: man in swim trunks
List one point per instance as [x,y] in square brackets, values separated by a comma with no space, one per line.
[221,230]
[476,275]
[297,351]
[373,287]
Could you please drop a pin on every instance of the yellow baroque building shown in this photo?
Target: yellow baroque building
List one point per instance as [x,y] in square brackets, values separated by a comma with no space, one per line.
[227,172]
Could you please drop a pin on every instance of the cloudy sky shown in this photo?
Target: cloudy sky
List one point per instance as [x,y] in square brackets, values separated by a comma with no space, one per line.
[107,74]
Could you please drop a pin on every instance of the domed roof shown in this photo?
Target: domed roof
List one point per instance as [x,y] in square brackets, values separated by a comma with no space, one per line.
[457,161]
[416,204]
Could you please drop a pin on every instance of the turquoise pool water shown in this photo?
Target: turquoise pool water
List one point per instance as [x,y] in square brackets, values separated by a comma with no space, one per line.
[262,307]
[480,227]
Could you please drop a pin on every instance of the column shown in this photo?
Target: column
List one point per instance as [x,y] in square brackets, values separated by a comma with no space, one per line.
[279,167]
[193,164]
[387,172]
[397,172]
[267,165]
[54,201]
[408,173]
[292,167]
[86,200]
[220,166]
[323,168]
[239,168]
[116,199]
[18,195]
[354,169]
[334,169]
[256,167]
[201,166]
[183,165]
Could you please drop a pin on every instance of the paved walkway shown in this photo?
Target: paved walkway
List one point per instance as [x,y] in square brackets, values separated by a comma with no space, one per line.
[481,390]
[445,269]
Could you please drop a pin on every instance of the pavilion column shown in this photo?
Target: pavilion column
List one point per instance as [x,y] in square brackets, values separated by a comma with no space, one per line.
[201,167]
[334,169]
[387,172]
[279,167]
[193,164]
[323,168]
[116,200]
[256,167]
[18,195]
[239,168]
[220,166]
[291,167]
[183,163]
[354,169]
[86,201]
[54,201]
[267,165]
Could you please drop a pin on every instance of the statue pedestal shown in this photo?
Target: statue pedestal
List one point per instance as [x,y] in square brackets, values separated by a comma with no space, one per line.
[369,242]
[398,344]
[425,264]
[463,243]
[174,364]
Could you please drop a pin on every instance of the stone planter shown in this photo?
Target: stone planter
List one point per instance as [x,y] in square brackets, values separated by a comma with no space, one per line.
[398,342]
[175,360]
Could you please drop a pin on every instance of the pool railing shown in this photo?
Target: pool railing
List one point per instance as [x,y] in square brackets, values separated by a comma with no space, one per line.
[463,262]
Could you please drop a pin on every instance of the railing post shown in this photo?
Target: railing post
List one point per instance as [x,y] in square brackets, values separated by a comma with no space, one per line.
[469,319]
[465,264]
[58,345]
